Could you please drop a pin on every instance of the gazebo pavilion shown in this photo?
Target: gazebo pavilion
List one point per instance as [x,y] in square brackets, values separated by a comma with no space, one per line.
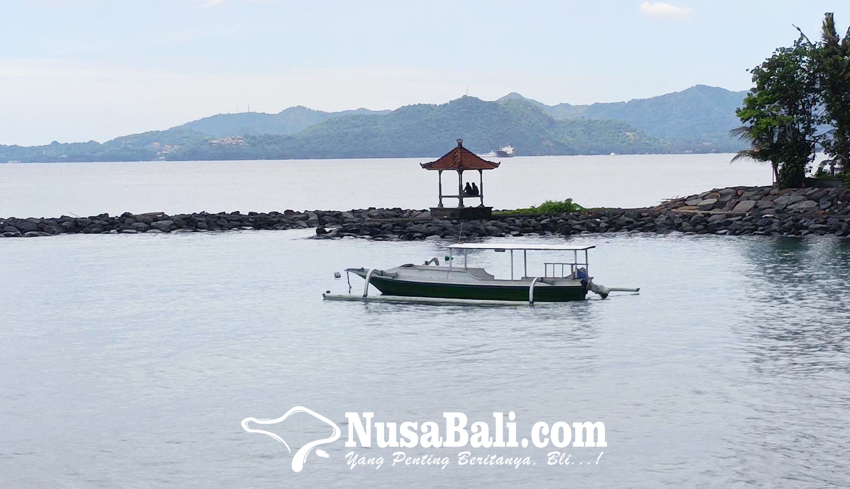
[461,159]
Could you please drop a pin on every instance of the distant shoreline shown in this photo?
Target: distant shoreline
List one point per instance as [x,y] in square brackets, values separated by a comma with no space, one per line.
[431,157]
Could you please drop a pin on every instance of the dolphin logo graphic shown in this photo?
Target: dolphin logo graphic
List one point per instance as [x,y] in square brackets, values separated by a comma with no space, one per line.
[301,454]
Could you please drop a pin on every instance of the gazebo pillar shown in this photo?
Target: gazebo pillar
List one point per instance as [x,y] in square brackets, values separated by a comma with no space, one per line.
[440,188]
[481,185]
[460,188]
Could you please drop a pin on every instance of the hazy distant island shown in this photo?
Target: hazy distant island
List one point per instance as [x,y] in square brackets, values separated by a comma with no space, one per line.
[696,120]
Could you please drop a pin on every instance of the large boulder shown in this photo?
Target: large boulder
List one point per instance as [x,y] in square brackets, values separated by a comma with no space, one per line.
[149,217]
[706,204]
[312,219]
[805,205]
[25,226]
[163,226]
[744,206]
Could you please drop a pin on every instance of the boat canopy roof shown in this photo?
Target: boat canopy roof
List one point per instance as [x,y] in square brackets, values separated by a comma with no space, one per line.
[518,246]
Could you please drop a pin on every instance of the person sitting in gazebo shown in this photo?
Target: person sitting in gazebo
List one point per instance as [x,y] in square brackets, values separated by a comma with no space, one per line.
[475,191]
[467,190]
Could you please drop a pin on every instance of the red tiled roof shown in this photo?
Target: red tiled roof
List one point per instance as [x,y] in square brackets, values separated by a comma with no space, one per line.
[460,158]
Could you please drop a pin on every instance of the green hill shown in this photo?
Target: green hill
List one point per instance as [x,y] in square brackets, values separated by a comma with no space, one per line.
[419,130]
[700,116]
[288,121]
[695,120]
[428,130]
[137,147]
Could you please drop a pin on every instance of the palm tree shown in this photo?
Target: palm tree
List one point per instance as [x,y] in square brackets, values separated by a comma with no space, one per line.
[760,149]
[833,64]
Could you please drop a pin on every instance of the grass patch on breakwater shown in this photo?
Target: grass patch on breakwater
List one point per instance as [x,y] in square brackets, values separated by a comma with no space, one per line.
[548,207]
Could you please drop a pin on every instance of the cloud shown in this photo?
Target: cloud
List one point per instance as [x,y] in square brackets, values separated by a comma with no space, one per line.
[664,10]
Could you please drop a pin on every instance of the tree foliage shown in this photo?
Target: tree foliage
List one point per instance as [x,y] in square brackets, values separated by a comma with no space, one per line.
[831,58]
[796,91]
[779,114]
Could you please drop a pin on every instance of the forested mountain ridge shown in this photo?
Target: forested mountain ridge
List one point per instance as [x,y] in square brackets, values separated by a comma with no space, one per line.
[696,120]
[700,114]
[428,130]
[287,121]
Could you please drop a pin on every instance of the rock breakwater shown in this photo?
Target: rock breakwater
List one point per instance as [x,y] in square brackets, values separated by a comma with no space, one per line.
[728,211]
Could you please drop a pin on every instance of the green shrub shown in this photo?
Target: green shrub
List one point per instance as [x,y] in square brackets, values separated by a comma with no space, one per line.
[548,207]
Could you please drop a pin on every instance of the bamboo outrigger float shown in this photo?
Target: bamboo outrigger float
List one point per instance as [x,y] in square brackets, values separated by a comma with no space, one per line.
[432,283]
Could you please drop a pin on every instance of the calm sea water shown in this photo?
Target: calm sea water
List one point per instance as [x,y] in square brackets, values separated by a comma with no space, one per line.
[130,361]
[54,189]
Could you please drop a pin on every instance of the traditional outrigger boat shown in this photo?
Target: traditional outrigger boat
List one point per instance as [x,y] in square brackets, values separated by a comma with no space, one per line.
[431,282]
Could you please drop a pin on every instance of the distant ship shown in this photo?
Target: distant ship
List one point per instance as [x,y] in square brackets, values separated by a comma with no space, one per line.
[505,151]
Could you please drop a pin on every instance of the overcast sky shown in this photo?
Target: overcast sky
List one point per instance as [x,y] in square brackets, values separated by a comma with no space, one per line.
[75,70]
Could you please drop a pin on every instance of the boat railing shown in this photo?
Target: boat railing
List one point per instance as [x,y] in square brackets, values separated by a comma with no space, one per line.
[555,267]
[577,266]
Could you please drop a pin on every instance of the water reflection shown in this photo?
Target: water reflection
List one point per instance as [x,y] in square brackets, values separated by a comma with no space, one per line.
[478,336]
[799,314]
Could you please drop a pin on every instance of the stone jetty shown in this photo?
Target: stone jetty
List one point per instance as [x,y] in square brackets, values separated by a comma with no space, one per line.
[727,211]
